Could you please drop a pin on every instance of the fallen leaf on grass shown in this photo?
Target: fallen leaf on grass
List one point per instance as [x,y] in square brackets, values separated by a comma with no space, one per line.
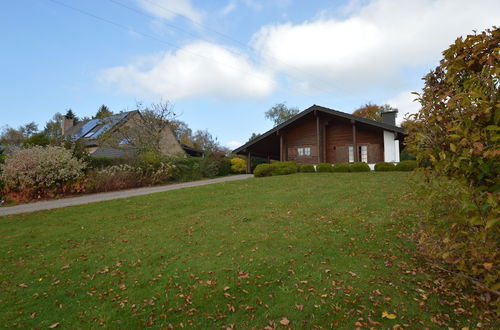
[299,307]
[284,321]
[388,315]
[353,274]
[33,315]
[22,285]
[488,265]
[54,325]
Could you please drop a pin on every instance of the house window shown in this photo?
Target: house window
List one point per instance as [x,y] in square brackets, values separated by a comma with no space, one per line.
[351,154]
[304,151]
[363,153]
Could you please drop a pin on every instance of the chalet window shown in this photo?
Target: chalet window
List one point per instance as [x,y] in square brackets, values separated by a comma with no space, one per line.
[304,151]
[363,153]
[351,154]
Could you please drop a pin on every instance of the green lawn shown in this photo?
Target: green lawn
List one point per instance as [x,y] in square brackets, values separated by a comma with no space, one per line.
[318,249]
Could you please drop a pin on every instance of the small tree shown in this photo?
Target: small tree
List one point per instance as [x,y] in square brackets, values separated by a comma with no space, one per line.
[370,111]
[253,136]
[103,112]
[373,111]
[53,126]
[281,113]
[144,132]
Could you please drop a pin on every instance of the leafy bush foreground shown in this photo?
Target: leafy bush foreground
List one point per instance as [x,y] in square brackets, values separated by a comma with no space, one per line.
[457,133]
[39,170]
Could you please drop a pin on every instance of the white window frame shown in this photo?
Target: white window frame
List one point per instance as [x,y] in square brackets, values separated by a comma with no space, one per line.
[364,153]
[351,154]
[300,151]
[307,151]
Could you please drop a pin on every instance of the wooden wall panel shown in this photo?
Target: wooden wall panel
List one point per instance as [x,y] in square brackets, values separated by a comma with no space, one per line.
[339,137]
[303,134]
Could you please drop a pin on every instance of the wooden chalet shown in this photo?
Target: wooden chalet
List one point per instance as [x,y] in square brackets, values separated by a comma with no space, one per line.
[322,135]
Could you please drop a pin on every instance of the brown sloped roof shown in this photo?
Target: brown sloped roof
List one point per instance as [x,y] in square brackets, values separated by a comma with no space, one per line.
[329,111]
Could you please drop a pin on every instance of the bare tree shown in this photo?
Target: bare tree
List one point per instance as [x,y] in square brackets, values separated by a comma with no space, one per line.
[144,131]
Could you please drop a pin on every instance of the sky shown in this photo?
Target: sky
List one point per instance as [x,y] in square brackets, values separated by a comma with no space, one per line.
[223,64]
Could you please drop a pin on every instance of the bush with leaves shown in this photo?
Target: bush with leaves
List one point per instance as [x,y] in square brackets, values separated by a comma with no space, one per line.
[39,170]
[341,167]
[385,167]
[187,168]
[263,170]
[238,165]
[406,165]
[457,131]
[324,167]
[284,168]
[306,168]
[359,167]
[125,176]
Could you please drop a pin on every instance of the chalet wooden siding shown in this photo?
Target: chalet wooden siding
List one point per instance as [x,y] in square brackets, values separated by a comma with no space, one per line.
[302,135]
[319,134]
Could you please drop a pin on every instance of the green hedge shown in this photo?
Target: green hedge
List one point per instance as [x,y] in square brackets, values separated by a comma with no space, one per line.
[360,167]
[324,167]
[280,168]
[341,167]
[385,167]
[407,165]
[284,168]
[262,170]
[100,162]
[306,168]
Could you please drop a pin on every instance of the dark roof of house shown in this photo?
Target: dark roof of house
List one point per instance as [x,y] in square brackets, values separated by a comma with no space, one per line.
[192,151]
[92,129]
[315,107]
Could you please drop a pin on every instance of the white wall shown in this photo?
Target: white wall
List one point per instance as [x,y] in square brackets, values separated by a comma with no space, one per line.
[390,148]
[396,150]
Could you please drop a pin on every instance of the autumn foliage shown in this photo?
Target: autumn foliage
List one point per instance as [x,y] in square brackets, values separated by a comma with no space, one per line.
[456,133]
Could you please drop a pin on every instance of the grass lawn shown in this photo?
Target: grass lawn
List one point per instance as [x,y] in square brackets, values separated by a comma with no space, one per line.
[318,249]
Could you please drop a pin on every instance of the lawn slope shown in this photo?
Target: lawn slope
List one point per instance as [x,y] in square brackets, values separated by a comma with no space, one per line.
[305,250]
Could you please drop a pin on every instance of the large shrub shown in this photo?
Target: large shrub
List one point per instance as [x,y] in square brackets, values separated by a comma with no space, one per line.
[341,167]
[238,165]
[263,170]
[306,168]
[406,165]
[187,168]
[360,167]
[324,167]
[284,168]
[457,131]
[40,169]
[126,176]
[215,165]
[385,167]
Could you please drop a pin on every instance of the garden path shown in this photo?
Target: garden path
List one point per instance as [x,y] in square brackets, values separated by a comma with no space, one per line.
[91,198]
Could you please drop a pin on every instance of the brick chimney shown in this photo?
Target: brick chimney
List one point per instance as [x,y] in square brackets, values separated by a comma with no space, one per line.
[389,117]
[66,124]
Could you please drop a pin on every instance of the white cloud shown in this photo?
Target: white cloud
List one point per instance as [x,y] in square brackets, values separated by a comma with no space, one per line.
[405,103]
[373,43]
[234,144]
[168,9]
[198,69]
